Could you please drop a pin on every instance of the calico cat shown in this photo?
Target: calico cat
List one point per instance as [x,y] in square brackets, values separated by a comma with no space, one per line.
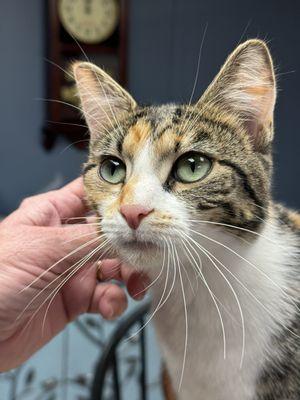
[183,192]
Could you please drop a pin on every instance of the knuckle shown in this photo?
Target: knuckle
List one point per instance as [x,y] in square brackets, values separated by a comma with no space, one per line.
[25,202]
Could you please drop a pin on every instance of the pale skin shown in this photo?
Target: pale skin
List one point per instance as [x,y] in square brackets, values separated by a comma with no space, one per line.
[34,238]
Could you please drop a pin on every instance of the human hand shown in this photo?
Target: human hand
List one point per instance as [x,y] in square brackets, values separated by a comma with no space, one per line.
[37,251]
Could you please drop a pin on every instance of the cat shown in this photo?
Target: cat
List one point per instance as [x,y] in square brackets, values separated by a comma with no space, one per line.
[183,193]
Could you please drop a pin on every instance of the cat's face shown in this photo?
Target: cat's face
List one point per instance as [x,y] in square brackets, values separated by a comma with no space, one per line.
[153,172]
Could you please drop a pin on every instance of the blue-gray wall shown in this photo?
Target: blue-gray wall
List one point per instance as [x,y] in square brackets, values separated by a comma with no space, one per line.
[25,168]
[164,45]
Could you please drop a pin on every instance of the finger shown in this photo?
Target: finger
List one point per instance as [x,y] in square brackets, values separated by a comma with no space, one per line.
[89,218]
[79,241]
[76,234]
[109,269]
[78,290]
[108,299]
[137,285]
[75,187]
[69,200]
[52,207]
[135,281]
[69,244]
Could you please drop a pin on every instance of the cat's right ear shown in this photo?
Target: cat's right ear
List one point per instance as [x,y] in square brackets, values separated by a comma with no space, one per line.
[246,87]
[103,100]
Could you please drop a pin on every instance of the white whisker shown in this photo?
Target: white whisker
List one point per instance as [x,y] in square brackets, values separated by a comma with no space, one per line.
[58,262]
[210,256]
[185,318]
[291,298]
[234,227]
[66,279]
[52,282]
[160,303]
[210,292]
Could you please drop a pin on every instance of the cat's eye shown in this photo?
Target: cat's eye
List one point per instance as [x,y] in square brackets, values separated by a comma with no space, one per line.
[112,170]
[191,167]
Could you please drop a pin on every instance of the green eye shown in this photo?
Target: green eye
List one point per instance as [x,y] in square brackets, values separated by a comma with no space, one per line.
[113,170]
[191,167]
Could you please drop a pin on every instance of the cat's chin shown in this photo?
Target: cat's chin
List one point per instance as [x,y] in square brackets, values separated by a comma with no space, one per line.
[140,254]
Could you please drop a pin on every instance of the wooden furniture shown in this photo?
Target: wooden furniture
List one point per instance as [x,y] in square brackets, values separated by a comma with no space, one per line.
[167,386]
[62,49]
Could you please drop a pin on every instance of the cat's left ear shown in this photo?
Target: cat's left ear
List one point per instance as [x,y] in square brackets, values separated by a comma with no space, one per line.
[104,102]
[246,86]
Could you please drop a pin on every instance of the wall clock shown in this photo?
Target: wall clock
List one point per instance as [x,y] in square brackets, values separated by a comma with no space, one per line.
[89,21]
[75,29]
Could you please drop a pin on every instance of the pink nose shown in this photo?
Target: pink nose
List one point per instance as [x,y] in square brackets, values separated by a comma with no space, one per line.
[134,213]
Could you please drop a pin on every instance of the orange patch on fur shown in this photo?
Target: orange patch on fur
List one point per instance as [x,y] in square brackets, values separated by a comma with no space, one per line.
[258,90]
[295,218]
[167,141]
[127,193]
[136,137]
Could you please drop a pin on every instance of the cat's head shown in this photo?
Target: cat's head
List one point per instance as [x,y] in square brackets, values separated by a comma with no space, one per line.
[153,171]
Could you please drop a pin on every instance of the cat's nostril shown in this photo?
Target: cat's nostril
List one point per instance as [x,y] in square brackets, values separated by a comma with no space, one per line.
[134,213]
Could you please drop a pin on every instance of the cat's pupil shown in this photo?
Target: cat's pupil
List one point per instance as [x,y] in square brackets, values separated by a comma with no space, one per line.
[113,167]
[192,164]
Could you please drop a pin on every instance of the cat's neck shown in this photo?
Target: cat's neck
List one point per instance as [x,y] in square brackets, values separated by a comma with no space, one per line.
[234,307]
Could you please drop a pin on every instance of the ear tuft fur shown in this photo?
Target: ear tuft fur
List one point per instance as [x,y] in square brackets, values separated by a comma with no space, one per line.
[103,100]
[246,87]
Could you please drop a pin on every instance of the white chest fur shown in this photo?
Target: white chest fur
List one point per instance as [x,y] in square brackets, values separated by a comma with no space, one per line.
[254,307]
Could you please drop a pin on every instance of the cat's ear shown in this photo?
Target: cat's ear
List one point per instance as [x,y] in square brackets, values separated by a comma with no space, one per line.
[246,86]
[103,100]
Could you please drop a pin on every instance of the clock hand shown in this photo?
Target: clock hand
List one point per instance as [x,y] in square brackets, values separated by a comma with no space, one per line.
[88,6]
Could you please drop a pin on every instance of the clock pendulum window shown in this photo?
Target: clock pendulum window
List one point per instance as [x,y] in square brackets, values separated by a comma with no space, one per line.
[76,30]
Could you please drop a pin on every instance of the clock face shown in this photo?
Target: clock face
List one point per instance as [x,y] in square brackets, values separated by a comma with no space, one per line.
[89,21]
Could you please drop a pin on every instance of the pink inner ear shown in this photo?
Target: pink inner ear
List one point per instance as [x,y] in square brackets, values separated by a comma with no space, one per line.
[252,127]
[260,112]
